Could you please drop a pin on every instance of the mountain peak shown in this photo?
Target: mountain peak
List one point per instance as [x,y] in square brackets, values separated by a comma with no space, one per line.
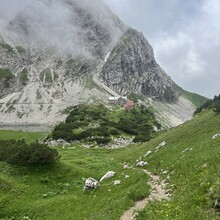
[132,68]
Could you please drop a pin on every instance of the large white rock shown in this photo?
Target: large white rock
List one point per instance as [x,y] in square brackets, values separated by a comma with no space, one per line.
[216,136]
[108,175]
[91,183]
[141,164]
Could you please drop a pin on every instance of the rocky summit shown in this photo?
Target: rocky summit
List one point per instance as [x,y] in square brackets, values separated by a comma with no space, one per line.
[131,67]
[55,55]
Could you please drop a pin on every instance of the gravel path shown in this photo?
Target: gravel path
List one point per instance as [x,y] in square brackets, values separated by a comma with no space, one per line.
[158,193]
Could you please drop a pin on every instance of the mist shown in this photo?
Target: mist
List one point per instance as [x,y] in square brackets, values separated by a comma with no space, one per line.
[52,23]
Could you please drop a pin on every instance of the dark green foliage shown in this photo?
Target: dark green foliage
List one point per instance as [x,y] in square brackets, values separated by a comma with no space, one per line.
[212,103]
[20,49]
[20,153]
[46,76]
[141,138]
[24,77]
[97,123]
[7,47]
[6,74]
[104,140]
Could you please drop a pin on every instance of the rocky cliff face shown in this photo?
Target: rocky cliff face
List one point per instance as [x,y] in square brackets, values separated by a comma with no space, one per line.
[56,54]
[132,68]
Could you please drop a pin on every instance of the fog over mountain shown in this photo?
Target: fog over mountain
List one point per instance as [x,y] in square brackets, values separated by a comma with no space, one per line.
[57,54]
[54,23]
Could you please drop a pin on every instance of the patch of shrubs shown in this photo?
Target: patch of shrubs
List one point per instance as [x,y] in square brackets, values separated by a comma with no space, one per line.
[211,103]
[141,138]
[20,153]
[89,122]
[103,140]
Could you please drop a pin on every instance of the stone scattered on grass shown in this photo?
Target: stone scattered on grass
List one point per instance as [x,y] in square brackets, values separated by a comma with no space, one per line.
[186,150]
[117,182]
[108,175]
[141,163]
[216,136]
[55,143]
[148,153]
[162,144]
[91,183]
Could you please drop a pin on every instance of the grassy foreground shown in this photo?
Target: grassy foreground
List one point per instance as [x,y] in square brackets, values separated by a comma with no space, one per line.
[190,161]
[56,192]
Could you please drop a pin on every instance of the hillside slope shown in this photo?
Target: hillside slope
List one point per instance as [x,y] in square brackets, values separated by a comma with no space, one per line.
[188,162]
[52,60]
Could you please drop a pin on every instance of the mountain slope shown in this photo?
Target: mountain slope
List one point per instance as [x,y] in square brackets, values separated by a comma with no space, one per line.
[132,68]
[51,60]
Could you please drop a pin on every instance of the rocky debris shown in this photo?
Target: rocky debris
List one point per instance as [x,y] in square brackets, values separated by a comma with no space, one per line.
[117,182]
[216,136]
[162,144]
[141,163]
[186,150]
[91,183]
[118,143]
[55,143]
[148,153]
[126,166]
[108,175]
[205,165]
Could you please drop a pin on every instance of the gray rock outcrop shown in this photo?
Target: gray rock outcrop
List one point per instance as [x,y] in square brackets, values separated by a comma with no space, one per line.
[132,68]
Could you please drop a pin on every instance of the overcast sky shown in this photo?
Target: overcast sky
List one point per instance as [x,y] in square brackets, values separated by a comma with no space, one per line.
[185,35]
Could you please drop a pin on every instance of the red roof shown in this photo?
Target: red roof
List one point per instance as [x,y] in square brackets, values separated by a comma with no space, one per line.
[129,105]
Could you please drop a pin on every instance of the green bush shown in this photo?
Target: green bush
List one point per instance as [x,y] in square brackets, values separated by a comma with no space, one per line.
[141,138]
[24,77]
[104,140]
[20,153]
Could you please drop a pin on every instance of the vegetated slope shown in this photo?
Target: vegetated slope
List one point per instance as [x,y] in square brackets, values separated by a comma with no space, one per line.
[196,99]
[211,103]
[190,164]
[97,124]
[189,161]
[56,192]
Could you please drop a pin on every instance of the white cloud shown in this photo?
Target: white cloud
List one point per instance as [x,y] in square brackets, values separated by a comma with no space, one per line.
[185,36]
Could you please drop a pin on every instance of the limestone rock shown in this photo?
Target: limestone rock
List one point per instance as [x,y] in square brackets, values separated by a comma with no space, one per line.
[91,183]
[141,164]
[215,136]
[132,68]
[117,182]
[108,175]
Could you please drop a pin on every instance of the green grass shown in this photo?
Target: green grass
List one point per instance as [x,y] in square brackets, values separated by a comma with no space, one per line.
[6,74]
[19,135]
[191,173]
[55,192]
[196,99]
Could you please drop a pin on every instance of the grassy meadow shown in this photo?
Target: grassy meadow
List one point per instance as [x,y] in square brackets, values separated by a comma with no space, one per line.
[190,163]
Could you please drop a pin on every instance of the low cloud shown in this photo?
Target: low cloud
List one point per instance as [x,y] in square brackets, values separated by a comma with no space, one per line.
[54,23]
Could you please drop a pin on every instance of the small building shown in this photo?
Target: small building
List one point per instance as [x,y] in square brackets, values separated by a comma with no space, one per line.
[113,100]
[129,105]
[122,100]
